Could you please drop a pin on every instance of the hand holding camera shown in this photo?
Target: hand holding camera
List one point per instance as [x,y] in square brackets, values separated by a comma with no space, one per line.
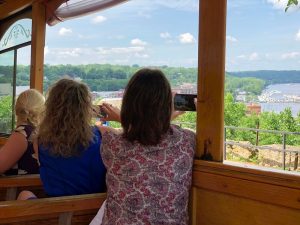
[99,112]
[108,112]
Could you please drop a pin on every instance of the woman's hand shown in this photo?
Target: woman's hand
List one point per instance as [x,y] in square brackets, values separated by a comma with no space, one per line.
[113,113]
[175,114]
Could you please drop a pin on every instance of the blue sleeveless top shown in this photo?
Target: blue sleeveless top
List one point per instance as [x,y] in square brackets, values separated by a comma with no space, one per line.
[82,174]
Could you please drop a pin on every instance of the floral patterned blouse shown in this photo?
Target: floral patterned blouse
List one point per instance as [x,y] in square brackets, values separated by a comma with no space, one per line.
[148,184]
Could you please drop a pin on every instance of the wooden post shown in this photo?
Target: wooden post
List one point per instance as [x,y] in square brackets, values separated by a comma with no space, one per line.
[211,77]
[65,218]
[37,46]
[11,193]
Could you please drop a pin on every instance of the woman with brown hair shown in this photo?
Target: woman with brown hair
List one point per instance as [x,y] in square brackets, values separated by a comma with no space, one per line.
[68,146]
[149,164]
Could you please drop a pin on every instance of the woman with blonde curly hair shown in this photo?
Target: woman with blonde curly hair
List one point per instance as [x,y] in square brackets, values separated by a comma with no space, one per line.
[17,155]
[68,147]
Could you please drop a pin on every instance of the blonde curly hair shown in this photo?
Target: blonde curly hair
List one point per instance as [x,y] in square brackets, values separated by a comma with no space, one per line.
[66,126]
[29,107]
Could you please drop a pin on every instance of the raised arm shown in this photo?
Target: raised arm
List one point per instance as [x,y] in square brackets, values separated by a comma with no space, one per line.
[113,114]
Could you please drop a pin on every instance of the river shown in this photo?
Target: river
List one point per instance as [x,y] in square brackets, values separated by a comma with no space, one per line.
[280,92]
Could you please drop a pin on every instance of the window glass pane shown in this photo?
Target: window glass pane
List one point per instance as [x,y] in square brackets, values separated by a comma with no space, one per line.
[262,88]
[106,48]
[17,33]
[23,69]
[6,91]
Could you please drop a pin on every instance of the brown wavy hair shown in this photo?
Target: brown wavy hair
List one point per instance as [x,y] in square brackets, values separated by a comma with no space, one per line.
[65,127]
[147,107]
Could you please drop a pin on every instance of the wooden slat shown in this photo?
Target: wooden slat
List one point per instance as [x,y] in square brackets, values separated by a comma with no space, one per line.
[9,7]
[37,46]
[271,194]
[10,186]
[216,208]
[14,211]
[280,178]
[20,181]
[211,73]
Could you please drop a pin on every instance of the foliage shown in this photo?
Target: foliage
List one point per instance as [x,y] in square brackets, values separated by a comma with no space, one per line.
[233,111]
[271,76]
[187,120]
[107,77]
[290,3]
[248,84]
[5,114]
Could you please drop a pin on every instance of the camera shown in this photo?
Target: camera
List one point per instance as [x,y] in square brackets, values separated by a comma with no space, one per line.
[184,102]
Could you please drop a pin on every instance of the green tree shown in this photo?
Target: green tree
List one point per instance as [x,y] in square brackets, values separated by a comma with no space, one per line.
[233,111]
[5,114]
[188,120]
[251,121]
[233,114]
[290,3]
[269,121]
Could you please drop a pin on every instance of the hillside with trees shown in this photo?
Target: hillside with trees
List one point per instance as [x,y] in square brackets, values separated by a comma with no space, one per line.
[106,77]
[271,76]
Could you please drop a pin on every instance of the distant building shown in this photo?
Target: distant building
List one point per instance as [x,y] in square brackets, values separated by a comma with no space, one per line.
[186,88]
[253,108]
[114,101]
[108,94]
[241,96]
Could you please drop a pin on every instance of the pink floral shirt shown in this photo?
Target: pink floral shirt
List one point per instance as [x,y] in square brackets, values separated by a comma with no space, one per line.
[148,184]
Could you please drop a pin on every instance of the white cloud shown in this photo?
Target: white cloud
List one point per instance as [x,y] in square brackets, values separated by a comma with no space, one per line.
[278,4]
[298,36]
[231,38]
[253,56]
[114,55]
[242,56]
[144,13]
[165,35]
[46,50]
[121,50]
[64,31]
[72,52]
[281,4]
[290,55]
[144,56]
[138,42]
[187,5]
[98,19]
[186,38]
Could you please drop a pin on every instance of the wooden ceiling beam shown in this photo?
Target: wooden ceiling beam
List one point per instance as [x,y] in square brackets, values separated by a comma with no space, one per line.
[9,8]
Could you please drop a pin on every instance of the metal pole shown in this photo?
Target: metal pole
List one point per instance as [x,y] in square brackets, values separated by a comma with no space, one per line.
[257,137]
[283,152]
[224,150]
[296,161]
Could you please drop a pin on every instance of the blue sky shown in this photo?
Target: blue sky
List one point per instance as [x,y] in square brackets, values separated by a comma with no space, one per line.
[260,35]
[144,32]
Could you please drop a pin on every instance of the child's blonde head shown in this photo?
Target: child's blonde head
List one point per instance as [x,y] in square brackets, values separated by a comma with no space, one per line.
[29,107]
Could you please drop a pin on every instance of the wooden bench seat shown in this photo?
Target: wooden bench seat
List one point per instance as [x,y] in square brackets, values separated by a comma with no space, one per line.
[11,185]
[79,210]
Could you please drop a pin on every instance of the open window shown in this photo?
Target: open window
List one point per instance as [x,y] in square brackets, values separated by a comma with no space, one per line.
[15,51]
